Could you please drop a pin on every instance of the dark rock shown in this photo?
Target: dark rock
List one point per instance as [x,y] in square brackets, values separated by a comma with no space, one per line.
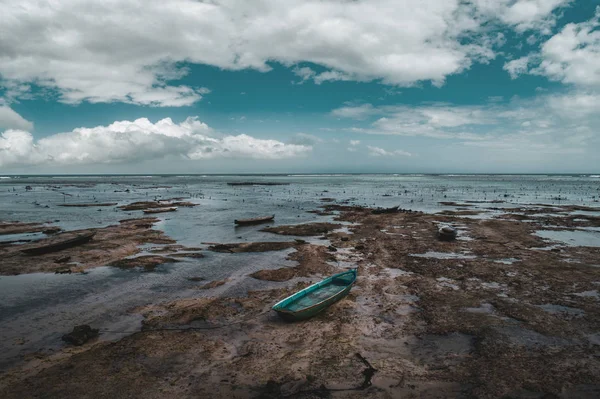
[80,335]
[63,271]
[332,248]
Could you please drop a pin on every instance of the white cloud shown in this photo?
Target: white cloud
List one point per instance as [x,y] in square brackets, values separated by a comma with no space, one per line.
[9,119]
[571,56]
[127,141]
[380,152]
[129,50]
[353,144]
[545,124]
[517,67]
[522,14]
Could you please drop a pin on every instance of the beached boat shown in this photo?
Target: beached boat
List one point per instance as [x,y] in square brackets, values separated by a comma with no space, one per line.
[59,245]
[258,220]
[160,210]
[316,298]
[447,233]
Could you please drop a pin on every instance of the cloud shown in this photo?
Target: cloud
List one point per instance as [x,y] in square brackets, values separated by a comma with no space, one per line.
[380,152]
[305,139]
[545,124]
[571,56]
[126,141]
[521,14]
[354,112]
[517,67]
[353,144]
[9,119]
[132,51]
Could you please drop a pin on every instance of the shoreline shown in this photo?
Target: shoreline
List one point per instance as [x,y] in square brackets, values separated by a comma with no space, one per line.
[499,311]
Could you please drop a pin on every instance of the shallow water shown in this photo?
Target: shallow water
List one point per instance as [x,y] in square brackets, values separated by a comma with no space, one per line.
[576,238]
[36,309]
[443,255]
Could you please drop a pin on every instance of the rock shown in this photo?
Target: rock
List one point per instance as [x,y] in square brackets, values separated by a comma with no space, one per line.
[345,238]
[65,270]
[251,247]
[80,335]
[213,284]
[195,278]
[332,248]
[149,262]
[447,233]
[62,259]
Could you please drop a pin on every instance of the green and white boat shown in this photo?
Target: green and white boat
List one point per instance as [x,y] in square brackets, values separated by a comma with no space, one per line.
[317,297]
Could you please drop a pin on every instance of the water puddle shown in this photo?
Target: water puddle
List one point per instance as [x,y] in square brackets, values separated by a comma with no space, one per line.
[393,273]
[443,255]
[588,294]
[561,310]
[483,308]
[507,261]
[21,238]
[577,238]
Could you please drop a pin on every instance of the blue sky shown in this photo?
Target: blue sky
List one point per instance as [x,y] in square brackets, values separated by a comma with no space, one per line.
[301,86]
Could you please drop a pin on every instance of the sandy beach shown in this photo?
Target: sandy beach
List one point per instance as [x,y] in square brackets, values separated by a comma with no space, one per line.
[500,311]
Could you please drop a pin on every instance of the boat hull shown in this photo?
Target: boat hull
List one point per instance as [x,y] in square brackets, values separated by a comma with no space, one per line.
[283,307]
[247,222]
[59,246]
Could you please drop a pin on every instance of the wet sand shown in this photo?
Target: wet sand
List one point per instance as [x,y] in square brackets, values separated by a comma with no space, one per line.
[498,312]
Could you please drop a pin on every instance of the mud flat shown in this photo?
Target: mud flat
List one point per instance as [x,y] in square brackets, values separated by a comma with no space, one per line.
[504,314]
[109,244]
[141,205]
[251,247]
[308,229]
[7,228]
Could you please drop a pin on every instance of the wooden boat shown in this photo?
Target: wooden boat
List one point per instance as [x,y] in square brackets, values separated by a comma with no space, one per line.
[160,210]
[379,211]
[257,220]
[59,245]
[316,298]
[447,233]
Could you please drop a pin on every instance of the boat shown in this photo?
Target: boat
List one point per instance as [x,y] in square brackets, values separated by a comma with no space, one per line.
[59,245]
[160,210]
[257,220]
[316,298]
[447,233]
[379,211]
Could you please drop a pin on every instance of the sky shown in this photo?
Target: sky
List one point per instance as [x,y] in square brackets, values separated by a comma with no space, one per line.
[299,86]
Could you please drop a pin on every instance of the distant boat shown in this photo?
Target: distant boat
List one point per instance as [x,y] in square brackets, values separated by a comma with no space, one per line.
[160,210]
[316,298]
[447,233]
[56,246]
[257,220]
